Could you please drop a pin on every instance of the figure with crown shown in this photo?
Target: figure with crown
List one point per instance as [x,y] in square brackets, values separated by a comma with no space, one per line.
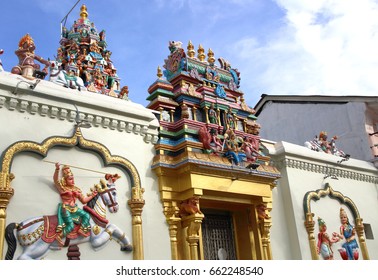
[321,144]
[325,241]
[68,211]
[26,56]
[349,249]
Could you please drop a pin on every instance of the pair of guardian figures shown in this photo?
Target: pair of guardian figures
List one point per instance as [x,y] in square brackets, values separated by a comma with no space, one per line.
[72,225]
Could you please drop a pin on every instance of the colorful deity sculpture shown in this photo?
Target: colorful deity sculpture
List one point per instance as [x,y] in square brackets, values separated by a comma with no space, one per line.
[68,211]
[349,249]
[26,56]
[324,247]
[83,52]
[322,144]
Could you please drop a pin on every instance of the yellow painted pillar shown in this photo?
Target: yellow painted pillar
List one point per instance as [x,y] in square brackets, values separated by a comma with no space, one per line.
[193,223]
[136,204]
[6,193]
[310,227]
[361,238]
[171,215]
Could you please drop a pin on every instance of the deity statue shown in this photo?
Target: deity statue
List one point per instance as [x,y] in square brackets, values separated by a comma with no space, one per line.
[124,94]
[325,241]
[26,56]
[321,144]
[250,151]
[349,249]
[231,147]
[230,119]
[213,118]
[68,211]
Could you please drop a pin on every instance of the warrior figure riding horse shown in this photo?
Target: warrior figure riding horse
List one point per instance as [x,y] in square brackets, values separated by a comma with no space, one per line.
[39,235]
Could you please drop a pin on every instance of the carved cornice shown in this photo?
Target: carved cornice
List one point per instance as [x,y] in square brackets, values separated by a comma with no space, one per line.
[77,139]
[324,169]
[16,104]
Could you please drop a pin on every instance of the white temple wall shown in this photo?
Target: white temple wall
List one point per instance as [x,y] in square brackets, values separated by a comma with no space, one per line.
[126,129]
[303,171]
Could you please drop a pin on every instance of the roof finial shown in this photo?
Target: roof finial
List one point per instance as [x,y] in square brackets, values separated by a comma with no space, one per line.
[191,52]
[83,12]
[201,53]
[159,72]
[210,57]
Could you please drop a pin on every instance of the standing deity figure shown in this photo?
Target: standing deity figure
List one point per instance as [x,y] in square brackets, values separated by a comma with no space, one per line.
[230,119]
[213,118]
[349,249]
[69,213]
[26,56]
[325,241]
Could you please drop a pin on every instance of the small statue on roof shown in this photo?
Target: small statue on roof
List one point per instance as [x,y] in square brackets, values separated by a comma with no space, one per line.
[26,56]
[321,144]
[174,45]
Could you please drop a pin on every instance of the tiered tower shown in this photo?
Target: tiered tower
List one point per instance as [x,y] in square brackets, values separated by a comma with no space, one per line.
[209,155]
[83,52]
[199,100]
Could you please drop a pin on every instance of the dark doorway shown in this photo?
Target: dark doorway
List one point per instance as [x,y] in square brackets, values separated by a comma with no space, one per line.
[218,236]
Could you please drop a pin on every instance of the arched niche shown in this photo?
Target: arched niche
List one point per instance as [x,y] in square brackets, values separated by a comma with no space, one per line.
[135,202]
[345,202]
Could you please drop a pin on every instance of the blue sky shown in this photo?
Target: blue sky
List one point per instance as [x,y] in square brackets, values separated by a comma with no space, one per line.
[280,46]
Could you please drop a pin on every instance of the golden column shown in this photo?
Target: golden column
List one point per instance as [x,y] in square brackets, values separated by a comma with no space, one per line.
[361,238]
[194,110]
[171,214]
[193,223]
[6,193]
[310,227]
[265,226]
[136,204]
[207,114]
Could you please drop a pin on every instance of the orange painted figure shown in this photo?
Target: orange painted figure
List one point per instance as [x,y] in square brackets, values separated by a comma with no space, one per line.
[325,241]
[26,56]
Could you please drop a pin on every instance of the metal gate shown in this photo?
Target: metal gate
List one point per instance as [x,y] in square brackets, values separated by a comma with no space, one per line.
[218,237]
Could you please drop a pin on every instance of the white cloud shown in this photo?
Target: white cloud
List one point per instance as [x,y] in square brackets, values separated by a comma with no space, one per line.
[324,47]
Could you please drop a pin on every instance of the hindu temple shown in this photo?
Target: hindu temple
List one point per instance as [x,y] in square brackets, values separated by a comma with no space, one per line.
[209,151]
[86,173]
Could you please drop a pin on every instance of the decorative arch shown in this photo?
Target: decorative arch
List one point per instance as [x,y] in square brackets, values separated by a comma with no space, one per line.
[310,223]
[136,202]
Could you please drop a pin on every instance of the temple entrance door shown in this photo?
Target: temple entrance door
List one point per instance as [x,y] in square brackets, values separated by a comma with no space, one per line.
[218,236]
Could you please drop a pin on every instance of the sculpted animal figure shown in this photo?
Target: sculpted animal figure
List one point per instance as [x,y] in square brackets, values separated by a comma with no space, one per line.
[69,80]
[190,206]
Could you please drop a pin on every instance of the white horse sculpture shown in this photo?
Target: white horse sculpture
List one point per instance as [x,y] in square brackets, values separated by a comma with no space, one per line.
[59,76]
[33,233]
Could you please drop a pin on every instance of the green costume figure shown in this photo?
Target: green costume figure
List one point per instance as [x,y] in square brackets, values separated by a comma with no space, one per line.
[69,213]
[213,118]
